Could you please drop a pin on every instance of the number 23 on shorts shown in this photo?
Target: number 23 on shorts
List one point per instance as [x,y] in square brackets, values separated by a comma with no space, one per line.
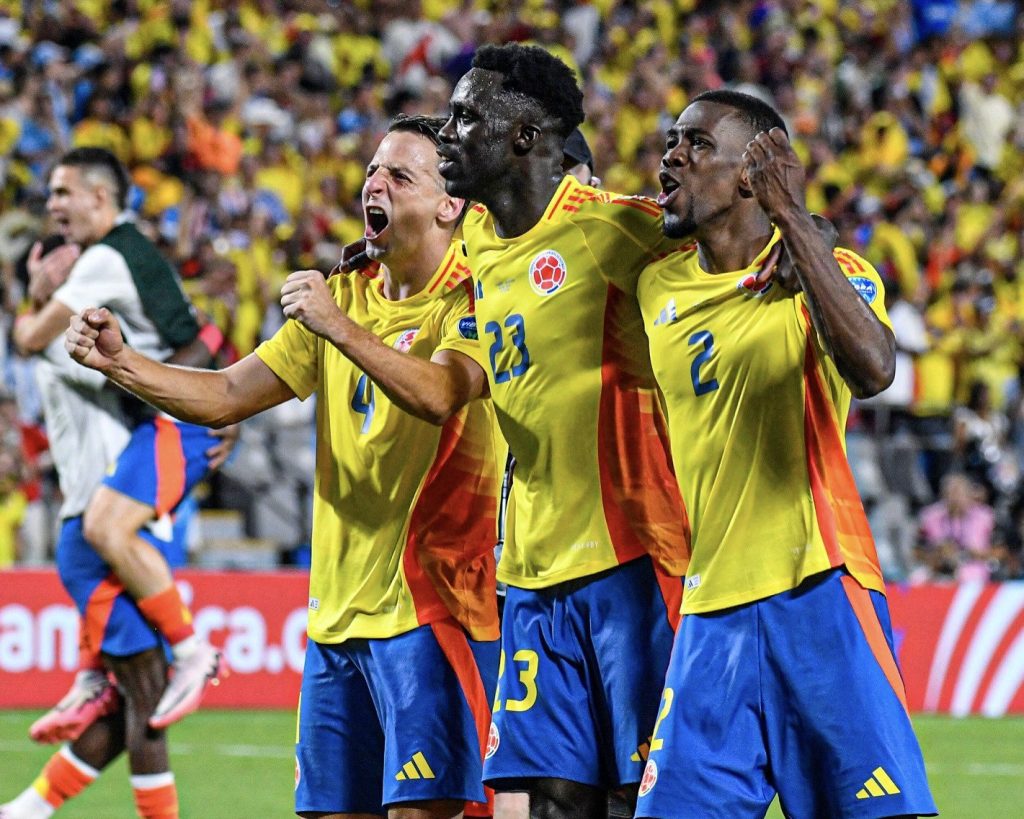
[526,662]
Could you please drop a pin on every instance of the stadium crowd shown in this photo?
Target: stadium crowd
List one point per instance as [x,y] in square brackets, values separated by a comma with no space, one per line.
[248,125]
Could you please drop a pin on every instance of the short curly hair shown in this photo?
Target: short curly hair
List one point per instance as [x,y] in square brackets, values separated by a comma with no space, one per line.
[759,115]
[539,75]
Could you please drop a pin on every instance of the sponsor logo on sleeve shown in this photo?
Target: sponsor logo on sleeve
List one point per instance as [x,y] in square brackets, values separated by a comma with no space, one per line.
[868,289]
[467,328]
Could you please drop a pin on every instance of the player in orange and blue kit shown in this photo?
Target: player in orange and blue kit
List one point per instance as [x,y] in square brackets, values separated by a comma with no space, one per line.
[783,677]
[403,626]
[595,535]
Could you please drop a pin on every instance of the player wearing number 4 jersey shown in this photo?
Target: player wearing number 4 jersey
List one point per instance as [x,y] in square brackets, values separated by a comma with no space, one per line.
[783,677]
[403,627]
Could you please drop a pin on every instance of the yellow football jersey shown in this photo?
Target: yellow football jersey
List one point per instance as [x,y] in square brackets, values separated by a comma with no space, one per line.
[404,511]
[571,384]
[757,413]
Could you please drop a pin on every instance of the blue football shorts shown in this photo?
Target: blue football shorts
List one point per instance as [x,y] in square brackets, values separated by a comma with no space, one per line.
[111,622]
[798,694]
[401,719]
[161,463]
[582,668]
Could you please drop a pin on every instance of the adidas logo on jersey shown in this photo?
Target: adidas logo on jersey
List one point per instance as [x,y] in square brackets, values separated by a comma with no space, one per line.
[667,314]
[878,784]
[415,768]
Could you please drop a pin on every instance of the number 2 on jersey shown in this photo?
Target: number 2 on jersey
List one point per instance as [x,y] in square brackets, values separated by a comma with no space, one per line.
[707,340]
[517,336]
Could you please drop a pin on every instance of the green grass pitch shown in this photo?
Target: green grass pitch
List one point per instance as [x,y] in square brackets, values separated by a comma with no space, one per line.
[240,765]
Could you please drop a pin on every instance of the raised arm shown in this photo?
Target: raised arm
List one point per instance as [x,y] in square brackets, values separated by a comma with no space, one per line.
[862,347]
[212,398]
[432,390]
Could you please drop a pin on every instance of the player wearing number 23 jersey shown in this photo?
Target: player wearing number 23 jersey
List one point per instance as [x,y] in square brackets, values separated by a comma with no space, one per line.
[595,536]
[783,581]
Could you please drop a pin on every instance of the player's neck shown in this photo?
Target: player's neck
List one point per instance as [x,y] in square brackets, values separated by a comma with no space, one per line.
[521,203]
[405,277]
[730,243]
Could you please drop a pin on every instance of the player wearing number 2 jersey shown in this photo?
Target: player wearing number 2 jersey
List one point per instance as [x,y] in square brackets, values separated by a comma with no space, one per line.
[783,677]
[596,530]
[403,627]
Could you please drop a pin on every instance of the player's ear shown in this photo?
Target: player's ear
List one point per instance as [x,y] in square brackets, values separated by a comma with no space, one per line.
[449,209]
[527,136]
[744,187]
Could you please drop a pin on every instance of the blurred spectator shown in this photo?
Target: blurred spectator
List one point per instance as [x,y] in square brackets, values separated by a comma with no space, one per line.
[987,118]
[982,444]
[12,506]
[955,539]
[247,127]
[29,441]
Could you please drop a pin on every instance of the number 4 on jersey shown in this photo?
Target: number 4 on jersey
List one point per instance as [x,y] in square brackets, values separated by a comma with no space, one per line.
[363,401]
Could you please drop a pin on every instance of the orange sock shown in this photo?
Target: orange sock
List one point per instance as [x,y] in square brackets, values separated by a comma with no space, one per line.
[64,776]
[156,796]
[168,614]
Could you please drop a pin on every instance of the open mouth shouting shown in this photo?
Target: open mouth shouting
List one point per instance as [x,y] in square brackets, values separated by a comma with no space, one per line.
[669,187]
[377,222]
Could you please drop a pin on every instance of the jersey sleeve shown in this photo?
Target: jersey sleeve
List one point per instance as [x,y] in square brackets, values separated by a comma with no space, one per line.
[625,236]
[458,327]
[866,281]
[292,353]
[99,278]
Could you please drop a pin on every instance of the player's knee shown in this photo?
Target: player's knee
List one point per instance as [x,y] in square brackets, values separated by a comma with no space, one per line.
[563,799]
[108,527]
[95,530]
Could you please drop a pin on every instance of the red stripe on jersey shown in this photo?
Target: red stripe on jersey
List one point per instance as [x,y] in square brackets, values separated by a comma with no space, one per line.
[837,506]
[449,553]
[557,202]
[170,466]
[860,601]
[570,208]
[97,613]
[449,263]
[457,651]
[467,285]
[639,204]
[672,593]
[847,268]
[850,259]
[478,208]
[642,506]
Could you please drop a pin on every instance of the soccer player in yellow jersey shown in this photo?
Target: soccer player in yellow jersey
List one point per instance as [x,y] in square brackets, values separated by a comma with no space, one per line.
[594,543]
[403,627]
[783,676]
